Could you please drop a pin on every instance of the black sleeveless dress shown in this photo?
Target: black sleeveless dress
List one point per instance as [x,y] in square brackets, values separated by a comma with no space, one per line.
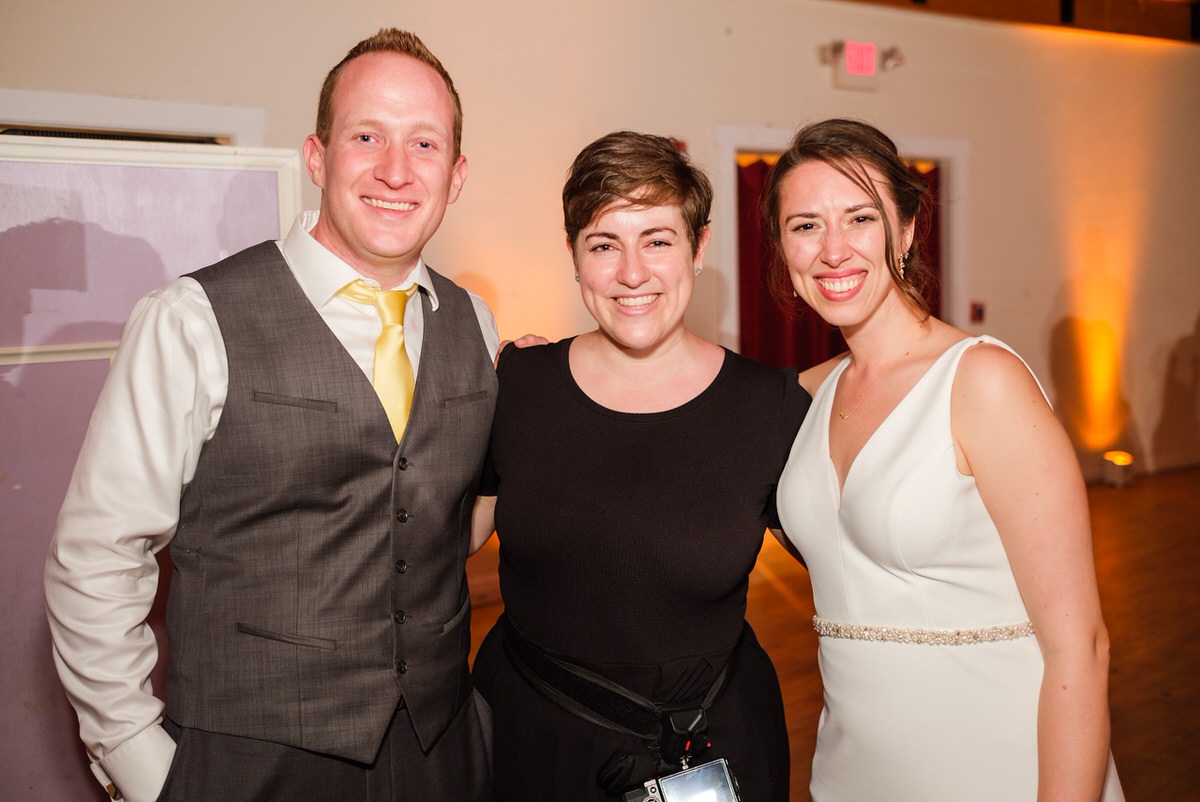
[626,543]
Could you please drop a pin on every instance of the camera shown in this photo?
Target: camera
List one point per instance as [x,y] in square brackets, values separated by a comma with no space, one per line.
[708,782]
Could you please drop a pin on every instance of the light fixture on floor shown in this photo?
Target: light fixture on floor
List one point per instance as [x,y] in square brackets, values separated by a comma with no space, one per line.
[1118,468]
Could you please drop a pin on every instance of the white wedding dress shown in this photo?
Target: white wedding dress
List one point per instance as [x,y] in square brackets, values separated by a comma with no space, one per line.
[930,670]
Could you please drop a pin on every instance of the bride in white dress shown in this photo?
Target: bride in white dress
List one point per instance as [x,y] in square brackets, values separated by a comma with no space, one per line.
[940,510]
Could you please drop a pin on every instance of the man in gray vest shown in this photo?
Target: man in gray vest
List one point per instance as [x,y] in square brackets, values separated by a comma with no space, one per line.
[304,424]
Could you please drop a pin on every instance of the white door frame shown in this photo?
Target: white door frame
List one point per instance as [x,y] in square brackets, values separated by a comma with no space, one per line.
[244,126]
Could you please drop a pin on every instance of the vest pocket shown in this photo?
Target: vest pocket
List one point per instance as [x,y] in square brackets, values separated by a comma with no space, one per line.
[458,617]
[469,398]
[286,637]
[294,401]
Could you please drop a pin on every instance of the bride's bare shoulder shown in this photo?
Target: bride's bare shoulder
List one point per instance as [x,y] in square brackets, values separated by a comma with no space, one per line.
[815,376]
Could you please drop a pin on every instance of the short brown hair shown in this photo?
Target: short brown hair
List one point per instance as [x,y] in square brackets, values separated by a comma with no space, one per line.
[387,40]
[852,148]
[640,169]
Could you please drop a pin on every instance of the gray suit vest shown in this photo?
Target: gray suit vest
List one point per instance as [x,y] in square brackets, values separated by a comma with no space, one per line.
[319,567]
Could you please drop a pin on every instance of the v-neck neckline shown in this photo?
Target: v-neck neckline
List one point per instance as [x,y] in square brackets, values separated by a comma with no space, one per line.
[839,481]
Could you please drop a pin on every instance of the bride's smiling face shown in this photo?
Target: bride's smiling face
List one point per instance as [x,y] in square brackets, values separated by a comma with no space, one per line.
[636,270]
[834,242]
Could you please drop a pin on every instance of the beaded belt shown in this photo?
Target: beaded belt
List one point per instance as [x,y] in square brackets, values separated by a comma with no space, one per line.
[929,637]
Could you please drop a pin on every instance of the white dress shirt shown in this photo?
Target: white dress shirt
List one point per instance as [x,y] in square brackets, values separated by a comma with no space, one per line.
[160,404]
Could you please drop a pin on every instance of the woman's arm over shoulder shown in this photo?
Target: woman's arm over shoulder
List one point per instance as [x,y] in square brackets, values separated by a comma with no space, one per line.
[1027,474]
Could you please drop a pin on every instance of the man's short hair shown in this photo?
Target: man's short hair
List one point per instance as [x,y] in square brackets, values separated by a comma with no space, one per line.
[387,40]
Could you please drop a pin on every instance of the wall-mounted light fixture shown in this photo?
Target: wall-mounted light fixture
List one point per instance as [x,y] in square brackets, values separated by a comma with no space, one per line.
[857,65]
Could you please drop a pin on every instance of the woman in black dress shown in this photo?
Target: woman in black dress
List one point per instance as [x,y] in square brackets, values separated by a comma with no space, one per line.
[631,477]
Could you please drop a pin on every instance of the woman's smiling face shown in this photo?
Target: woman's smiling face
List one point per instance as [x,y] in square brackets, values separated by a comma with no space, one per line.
[834,241]
[636,272]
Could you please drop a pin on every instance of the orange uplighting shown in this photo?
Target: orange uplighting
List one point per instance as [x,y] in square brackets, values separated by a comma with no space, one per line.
[1101,417]
[1103,216]
[1120,458]
[1101,269]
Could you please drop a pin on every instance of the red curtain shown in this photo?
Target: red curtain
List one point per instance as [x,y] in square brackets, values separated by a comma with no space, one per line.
[767,332]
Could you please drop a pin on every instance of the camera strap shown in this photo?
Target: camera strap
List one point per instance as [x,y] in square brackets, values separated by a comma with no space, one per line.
[605,703]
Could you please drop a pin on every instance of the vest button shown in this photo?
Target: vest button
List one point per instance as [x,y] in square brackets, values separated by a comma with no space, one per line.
[402,516]
[402,463]
[402,667]
[401,566]
[400,616]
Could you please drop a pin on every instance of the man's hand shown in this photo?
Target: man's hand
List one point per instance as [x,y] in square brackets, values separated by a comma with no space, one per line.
[522,342]
[530,339]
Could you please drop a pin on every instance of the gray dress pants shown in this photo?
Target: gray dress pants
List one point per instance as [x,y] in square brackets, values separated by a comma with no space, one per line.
[214,766]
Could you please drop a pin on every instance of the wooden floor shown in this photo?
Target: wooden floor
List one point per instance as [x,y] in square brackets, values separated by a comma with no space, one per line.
[1147,539]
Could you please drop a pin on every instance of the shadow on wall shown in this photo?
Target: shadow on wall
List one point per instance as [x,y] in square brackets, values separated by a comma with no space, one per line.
[61,280]
[68,281]
[1176,440]
[1085,371]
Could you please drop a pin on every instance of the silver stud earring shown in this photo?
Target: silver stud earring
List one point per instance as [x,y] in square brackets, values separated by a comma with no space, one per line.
[699,270]
[576,278]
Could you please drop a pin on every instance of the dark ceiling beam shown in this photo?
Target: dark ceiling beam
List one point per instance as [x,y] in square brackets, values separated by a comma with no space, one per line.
[1175,20]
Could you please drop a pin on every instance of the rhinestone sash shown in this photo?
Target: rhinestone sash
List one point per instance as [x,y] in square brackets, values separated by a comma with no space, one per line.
[927,637]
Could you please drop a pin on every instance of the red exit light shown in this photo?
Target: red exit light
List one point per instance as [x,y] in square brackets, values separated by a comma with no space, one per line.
[860,58]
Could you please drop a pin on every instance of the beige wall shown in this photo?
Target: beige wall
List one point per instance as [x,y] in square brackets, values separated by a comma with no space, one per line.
[1081,177]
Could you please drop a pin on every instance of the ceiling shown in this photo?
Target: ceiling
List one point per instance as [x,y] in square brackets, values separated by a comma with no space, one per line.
[1176,20]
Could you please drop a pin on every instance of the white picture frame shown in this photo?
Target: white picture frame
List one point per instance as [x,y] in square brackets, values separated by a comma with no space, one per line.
[190,205]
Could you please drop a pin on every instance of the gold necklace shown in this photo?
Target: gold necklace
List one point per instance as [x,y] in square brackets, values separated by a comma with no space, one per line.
[844,415]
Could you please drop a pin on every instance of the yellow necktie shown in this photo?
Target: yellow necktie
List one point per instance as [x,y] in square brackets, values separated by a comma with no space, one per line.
[392,374]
